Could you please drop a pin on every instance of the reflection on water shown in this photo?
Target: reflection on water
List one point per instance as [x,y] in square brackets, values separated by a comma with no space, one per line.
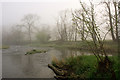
[18,65]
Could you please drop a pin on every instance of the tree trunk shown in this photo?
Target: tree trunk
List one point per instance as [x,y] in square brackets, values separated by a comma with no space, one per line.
[29,34]
[110,21]
[119,33]
[83,37]
[93,24]
[76,31]
[116,20]
[65,32]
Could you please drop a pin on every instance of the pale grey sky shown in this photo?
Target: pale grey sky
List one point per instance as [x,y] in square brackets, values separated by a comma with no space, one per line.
[13,12]
[48,10]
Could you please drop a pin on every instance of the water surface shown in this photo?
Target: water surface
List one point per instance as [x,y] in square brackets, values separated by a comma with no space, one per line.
[18,65]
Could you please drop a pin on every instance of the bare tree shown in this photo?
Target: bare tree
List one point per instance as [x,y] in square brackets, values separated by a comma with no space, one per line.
[110,19]
[87,18]
[116,19]
[91,27]
[63,26]
[75,25]
[79,24]
[119,33]
[97,45]
[119,20]
[119,29]
[15,35]
[29,22]
[113,18]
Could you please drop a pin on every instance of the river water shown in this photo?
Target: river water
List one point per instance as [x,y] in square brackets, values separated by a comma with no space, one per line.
[15,64]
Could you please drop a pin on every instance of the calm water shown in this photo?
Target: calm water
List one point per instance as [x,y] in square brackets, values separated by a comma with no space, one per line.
[18,65]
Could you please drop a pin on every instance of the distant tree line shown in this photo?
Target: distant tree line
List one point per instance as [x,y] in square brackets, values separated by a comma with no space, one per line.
[71,25]
[88,15]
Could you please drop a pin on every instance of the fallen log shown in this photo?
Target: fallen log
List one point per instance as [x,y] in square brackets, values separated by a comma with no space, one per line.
[57,71]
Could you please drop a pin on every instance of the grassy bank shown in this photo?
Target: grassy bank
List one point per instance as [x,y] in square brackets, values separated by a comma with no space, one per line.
[85,66]
[110,46]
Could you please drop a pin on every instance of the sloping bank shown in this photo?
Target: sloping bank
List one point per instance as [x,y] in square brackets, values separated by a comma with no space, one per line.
[83,67]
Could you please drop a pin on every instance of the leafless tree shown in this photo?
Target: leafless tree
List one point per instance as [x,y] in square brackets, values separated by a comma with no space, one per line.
[15,35]
[64,26]
[29,22]
[92,28]
[113,18]
[79,24]
[119,31]
[116,19]
[110,19]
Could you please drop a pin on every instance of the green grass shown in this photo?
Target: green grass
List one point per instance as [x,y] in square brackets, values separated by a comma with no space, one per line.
[35,51]
[86,65]
[82,65]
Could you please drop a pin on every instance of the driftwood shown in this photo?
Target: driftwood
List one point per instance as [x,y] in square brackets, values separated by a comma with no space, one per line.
[57,71]
[63,74]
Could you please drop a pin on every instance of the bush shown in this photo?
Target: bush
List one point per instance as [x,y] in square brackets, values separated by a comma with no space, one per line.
[42,36]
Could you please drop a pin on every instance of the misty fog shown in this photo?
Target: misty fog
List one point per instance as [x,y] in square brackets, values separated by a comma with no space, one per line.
[60,39]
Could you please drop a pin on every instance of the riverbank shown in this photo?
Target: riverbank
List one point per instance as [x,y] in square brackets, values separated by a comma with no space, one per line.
[82,67]
[110,46]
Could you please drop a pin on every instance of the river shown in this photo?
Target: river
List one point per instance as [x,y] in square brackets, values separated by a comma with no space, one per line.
[15,64]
